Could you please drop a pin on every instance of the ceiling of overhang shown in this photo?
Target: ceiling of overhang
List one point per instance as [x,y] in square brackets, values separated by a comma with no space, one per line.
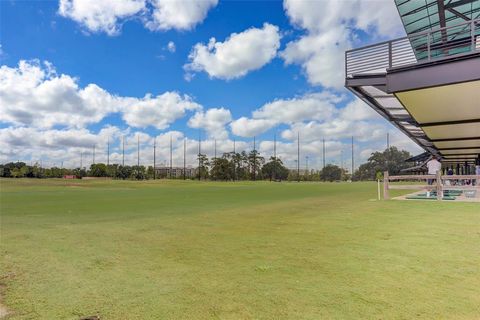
[448,113]
[462,151]
[424,15]
[454,102]
[457,144]
[461,157]
[463,138]
[387,105]
[453,131]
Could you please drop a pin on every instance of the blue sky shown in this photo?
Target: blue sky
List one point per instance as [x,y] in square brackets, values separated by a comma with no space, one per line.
[278,70]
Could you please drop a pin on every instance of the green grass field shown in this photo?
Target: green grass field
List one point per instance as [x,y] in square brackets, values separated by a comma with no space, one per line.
[199,250]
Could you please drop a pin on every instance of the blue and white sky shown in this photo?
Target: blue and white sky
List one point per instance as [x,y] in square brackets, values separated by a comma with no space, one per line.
[78,73]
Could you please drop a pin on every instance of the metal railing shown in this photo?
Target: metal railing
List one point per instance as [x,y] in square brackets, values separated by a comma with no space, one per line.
[415,48]
[439,184]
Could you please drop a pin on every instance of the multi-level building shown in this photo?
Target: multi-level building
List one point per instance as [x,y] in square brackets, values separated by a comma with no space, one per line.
[427,83]
[176,172]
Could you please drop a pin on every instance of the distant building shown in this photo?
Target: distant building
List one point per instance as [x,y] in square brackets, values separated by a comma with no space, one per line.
[176,172]
[301,171]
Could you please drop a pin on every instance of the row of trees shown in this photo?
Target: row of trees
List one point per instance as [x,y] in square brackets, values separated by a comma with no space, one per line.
[230,166]
[241,166]
[22,170]
[252,166]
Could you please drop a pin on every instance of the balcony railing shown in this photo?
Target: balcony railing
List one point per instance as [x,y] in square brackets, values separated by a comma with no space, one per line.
[416,48]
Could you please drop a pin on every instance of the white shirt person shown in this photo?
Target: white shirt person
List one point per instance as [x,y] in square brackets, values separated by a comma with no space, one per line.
[433,165]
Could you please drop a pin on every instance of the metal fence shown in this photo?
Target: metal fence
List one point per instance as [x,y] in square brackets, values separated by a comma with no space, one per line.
[455,40]
[440,183]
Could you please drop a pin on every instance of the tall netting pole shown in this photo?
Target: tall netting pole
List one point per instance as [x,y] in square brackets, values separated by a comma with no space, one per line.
[184,158]
[323,154]
[274,157]
[353,163]
[123,151]
[154,157]
[298,156]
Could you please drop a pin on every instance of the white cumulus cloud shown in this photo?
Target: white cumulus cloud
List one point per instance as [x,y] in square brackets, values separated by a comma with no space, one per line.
[213,121]
[358,110]
[178,14]
[245,127]
[330,29]
[100,15]
[312,106]
[53,146]
[321,56]
[239,54]
[159,111]
[315,116]
[33,94]
[108,15]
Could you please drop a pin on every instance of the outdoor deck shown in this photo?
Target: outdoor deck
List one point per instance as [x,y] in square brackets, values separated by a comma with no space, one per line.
[460,198]
[464,188]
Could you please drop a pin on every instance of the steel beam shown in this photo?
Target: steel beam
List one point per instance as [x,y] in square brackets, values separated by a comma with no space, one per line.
[455,139]
[448,123]
[458,148]
[434,74]
[458,3]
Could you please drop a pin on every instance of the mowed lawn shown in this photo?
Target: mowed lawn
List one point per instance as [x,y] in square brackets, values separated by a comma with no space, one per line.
[206,250]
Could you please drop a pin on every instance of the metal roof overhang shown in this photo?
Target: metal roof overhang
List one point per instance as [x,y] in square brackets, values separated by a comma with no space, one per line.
[420,157]
[423,15]
[435,101]
[442,117]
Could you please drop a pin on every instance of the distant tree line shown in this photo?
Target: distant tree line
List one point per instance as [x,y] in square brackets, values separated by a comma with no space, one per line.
[229,166]
[115,171]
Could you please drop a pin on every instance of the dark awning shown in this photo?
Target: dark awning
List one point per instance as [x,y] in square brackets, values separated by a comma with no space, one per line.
[419,157]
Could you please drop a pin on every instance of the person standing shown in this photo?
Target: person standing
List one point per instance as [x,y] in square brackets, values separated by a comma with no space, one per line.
[433,165]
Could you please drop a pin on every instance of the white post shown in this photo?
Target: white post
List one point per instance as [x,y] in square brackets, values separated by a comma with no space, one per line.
[439,185]
[378,188]
[386,194]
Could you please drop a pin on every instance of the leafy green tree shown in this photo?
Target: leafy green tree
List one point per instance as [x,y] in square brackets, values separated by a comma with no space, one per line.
[38,171]
[124,172]
[16,173]
[14,167]
[112,170]
[274,170]
[346,176]
[55,172]
[331,173]
[391,160]
[221,168]
[138,173]
[240,163]
[204,164]
[29,172]
[98,170]
[150,172]
[80,172]
[255,163]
